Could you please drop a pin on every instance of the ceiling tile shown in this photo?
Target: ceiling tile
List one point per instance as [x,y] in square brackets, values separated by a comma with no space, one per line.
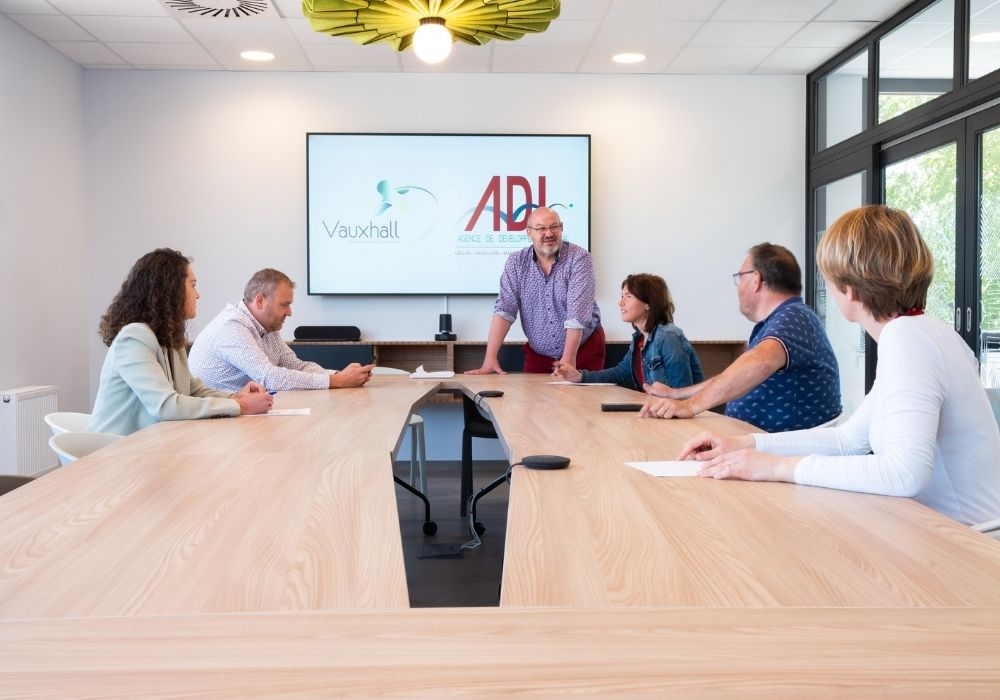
[164,54]
[562,33]
[303,31]
[770,10]
[52,27]
[185,67]
[514,58]
[87,52]
[287,54]
[351,57]
[711,58]
[743,34]
[862,10]
[289,9]
[673,10]
[124,8]
[252,30]
[584,9]
[598,60]
[27,7]
[626,32]
[835,35]
[135,29]
[797,60]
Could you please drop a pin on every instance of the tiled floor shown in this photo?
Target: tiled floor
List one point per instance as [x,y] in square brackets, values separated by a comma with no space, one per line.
[473,580]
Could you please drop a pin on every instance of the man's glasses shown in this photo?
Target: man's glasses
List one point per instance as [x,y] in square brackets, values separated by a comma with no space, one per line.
[550,229]
[737,275]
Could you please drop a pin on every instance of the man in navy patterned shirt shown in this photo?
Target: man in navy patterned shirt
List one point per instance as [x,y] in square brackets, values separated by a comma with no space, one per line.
[788,379]
[551,283]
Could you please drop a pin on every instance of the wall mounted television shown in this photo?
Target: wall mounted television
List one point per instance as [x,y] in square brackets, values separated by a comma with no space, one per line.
[434,213]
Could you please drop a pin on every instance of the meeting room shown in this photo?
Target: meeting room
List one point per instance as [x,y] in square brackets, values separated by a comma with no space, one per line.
[469,347]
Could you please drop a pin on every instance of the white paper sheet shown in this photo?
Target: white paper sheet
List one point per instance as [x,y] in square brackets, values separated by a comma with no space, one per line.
[687,467]
[289,412]
[421,373]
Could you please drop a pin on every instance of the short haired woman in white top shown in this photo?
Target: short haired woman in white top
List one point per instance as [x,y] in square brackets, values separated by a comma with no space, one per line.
[926,430]
[145,378]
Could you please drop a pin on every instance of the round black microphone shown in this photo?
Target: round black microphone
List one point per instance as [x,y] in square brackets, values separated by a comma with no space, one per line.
[545,462]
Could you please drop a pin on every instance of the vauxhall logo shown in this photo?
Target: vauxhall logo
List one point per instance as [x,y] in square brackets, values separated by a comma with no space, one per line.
[389,230]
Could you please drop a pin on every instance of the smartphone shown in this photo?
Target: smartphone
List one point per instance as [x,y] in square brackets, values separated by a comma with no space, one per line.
[615,407]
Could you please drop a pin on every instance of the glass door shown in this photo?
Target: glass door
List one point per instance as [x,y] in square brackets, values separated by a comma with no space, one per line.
[925,185]
[848,339]
[986,325]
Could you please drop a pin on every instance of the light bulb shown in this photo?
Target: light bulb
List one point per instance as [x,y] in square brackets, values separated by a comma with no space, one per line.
[432,40]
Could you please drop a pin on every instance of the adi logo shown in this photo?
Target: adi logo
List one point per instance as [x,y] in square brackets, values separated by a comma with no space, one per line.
[520,201]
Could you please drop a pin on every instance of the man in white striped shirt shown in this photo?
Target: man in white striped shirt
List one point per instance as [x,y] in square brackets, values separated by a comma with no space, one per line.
[244,343]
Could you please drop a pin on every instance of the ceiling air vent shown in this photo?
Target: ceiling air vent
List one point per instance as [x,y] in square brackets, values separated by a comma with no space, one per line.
[221,8]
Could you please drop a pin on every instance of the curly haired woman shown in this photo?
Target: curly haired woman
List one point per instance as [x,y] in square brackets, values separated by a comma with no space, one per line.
[145,378]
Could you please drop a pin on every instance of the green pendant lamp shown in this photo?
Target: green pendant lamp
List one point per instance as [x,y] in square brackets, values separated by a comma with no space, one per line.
[430,26]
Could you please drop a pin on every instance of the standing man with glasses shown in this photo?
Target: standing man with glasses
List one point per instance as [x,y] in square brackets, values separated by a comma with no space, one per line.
[788,378]
[551,284]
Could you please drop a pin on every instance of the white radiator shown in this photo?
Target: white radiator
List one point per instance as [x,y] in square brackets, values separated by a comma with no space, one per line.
[24,434]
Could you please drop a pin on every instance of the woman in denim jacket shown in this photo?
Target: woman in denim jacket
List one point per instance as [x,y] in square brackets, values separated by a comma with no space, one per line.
[659,351]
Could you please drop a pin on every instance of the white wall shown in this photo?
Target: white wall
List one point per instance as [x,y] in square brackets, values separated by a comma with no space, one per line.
[688,172]
[43,235]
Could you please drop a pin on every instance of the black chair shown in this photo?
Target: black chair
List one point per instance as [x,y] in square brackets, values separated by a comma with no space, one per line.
[10,482]
[476,425]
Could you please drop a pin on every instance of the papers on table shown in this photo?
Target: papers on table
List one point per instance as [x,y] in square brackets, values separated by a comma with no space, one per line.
[688,467]
[289,412]
[581,383]
[421,373]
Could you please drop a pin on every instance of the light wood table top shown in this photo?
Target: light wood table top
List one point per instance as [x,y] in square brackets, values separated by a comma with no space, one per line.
[475,652]
[262,556]
[255,513]
[603,534]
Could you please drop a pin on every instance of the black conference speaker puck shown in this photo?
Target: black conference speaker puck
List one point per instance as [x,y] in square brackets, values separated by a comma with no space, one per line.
[545,462]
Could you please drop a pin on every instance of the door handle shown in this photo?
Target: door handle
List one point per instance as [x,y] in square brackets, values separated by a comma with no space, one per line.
[958,319]
[968,319]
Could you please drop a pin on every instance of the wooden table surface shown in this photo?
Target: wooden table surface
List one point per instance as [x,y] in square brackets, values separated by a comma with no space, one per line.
[262,556]
[476,652]
[604,534]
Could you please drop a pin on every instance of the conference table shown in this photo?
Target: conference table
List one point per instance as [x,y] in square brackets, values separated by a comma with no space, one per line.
[261,555]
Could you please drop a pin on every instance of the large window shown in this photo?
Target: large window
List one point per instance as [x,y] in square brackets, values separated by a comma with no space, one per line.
[918,129]
[915,60]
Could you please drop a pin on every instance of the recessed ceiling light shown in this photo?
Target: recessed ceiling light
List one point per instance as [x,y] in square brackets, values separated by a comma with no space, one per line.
[628,58]
[257,55]
[986,37]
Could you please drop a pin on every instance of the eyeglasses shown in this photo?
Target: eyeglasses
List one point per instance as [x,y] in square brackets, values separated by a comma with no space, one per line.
[550,229]
[737,275]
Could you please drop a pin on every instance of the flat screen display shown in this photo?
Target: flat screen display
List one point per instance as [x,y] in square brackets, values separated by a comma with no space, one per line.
[434,213]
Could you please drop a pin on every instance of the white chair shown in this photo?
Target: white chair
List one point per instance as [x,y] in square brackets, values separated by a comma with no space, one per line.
[64,422]
[991,528]
[418,449]
[72,446]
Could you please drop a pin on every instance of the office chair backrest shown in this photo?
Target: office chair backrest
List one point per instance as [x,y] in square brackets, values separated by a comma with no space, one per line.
[9,482]
[63,422]
[72,446]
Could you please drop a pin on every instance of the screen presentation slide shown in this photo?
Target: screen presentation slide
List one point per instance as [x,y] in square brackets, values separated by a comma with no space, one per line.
[435,214]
